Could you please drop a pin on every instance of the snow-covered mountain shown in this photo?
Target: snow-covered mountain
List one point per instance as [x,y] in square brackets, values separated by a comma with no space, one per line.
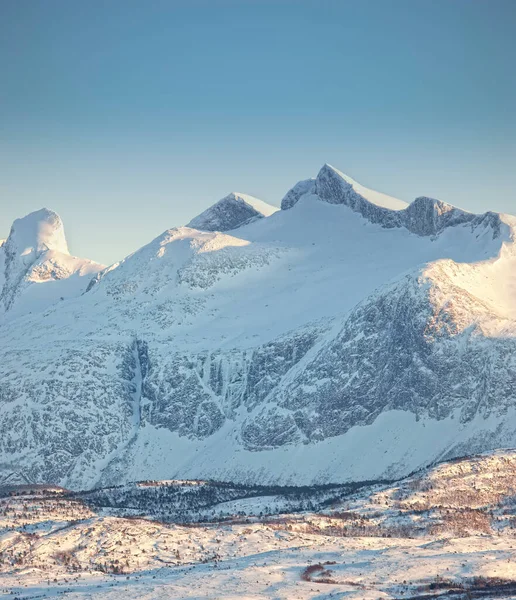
[36,253]
[348,336]
[231,212]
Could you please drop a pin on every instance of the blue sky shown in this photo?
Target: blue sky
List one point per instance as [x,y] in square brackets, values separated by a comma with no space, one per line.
[129,117]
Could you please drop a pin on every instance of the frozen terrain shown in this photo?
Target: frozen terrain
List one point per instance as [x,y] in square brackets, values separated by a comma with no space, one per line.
[36,253]
[231,212]
[346,337]
[445,532]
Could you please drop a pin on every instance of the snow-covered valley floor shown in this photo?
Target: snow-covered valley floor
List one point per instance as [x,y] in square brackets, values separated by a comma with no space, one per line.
[364,568]
[445,532]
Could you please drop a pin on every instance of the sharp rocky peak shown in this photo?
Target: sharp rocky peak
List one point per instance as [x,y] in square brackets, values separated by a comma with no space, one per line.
[234,210]
[424,216]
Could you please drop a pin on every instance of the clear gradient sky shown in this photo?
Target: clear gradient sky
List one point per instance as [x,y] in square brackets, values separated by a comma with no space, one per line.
[128,117]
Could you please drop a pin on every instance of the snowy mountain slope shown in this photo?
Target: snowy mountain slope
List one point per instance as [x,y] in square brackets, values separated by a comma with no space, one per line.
[36,268]
[337,340]
[231,212]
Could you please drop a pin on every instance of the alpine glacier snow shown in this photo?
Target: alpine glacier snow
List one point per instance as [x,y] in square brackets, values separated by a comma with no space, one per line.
[346,337]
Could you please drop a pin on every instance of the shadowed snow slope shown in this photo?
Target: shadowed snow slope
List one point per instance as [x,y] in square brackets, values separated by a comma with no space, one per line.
[346,338]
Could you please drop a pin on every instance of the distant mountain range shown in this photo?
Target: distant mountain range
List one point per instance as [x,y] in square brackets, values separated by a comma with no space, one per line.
[346,337]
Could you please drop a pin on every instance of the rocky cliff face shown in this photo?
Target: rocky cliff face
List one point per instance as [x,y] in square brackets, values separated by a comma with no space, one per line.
[348,337]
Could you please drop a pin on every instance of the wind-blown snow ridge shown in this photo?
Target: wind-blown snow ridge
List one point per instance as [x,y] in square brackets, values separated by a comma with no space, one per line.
[231,212]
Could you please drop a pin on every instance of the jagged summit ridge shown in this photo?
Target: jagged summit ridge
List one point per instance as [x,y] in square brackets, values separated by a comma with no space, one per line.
[234,210]
[334,187]
[424,216]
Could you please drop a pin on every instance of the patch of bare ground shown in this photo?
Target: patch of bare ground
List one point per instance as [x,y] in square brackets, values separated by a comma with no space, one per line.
[319,573]
[467,589]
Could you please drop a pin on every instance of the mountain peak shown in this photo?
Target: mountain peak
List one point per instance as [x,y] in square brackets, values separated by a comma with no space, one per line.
[336,186]
[424,216]
[37,232]
[234,210]
[36,252]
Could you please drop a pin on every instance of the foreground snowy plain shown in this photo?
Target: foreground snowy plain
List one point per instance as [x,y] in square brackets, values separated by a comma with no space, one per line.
[445,532]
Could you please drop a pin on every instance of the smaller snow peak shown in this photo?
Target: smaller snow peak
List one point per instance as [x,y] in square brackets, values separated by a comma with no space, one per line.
[427,216]
[259,206]
[234,210]
[306,186]
[34,254]
[31,237]
[37,232]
